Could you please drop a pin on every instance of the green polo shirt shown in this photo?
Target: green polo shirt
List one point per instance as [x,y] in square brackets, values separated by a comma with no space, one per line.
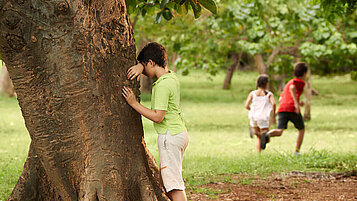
[166,96]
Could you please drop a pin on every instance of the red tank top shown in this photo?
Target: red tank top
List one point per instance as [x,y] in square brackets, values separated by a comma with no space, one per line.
[286,103]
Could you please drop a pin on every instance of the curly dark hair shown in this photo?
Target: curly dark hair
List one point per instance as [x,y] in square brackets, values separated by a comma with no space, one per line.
[154,51]
[300,69]
[262,80]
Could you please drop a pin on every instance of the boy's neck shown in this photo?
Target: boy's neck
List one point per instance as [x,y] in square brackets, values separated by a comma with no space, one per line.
[160,71]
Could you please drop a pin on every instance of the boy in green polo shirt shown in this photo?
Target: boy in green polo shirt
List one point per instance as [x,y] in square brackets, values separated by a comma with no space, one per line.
[165,113]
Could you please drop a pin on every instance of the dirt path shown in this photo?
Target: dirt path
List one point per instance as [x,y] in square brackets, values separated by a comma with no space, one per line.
[291,186]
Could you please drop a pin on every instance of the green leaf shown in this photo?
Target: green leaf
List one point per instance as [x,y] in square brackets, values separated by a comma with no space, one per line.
[326,35]
[130,5]
[179,1]
[158,18]
[209,5]
[163,3]
[187,5]
[196,7]
[143,12]
[177,46]
[167,14]
[178,8]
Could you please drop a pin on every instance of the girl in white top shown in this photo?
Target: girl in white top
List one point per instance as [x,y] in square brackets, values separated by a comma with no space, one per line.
[260,104]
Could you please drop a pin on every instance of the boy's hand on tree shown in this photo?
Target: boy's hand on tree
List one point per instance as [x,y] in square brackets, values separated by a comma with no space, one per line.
[129,95]
[135,71]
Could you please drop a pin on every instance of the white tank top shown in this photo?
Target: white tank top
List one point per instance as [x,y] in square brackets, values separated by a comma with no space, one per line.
[260,108]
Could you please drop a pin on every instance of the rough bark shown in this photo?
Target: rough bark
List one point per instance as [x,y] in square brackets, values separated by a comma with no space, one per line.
[230,70]
[68,62]
[308,96]
[6,86]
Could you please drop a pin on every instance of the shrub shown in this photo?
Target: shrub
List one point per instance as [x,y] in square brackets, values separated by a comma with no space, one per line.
[354,75]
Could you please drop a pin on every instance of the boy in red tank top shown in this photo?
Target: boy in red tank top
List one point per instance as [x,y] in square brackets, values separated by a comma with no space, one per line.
[289,108]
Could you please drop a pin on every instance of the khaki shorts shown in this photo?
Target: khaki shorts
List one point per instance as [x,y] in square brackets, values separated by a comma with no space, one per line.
[171,149]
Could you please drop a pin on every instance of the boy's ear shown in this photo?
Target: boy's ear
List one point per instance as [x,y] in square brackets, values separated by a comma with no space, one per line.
[151,62]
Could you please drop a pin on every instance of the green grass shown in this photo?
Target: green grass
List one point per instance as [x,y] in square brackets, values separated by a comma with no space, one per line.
[219,137]
[218,126]
[14,144]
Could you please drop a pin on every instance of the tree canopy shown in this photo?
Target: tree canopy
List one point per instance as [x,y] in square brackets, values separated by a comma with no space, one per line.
[311,31]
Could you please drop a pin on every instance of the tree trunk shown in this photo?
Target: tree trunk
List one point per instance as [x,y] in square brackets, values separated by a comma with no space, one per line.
[259,63]
[174,57]
[308,96]
[68,62]
[6,86]
[230,70]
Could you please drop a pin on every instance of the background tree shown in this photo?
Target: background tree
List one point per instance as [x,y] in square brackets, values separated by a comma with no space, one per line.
[68,61]
[274,34]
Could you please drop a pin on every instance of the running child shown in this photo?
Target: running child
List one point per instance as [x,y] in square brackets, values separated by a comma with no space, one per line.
[260,104]
[289,108]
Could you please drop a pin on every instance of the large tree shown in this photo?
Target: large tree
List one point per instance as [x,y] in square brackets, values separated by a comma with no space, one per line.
[68,62]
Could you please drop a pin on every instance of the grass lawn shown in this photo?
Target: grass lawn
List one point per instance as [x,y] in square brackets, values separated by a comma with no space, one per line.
[219,137]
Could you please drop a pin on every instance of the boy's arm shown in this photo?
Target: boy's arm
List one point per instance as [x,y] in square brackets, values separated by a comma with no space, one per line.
[154,115]
[135,71]
[293,94]
[248,101]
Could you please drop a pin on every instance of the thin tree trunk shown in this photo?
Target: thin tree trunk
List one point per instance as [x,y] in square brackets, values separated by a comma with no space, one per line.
[230,70]
[308,96]
[272,57]
[68,63]
[259,63]
[174,57]
[269,61]
[6,86]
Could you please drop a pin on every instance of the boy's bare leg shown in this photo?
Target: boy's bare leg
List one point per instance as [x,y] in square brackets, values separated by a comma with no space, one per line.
[275,132]
[177,195]
[300,139]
